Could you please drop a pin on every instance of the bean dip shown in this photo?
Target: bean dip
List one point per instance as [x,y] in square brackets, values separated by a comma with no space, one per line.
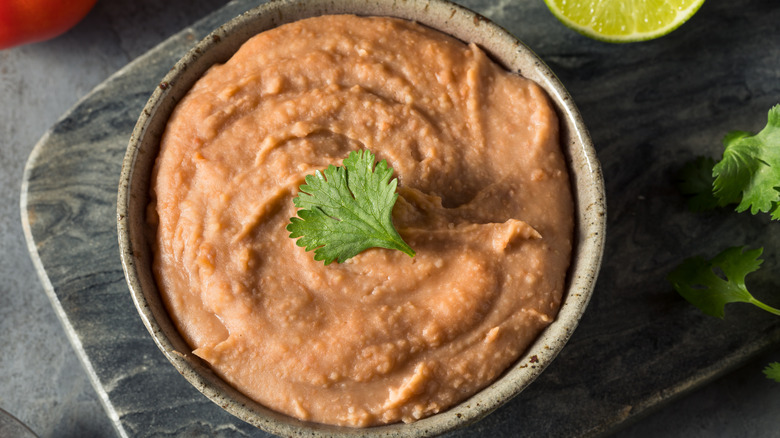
[485,202]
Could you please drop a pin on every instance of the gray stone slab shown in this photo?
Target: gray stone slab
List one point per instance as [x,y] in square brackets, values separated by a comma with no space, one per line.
[649,107]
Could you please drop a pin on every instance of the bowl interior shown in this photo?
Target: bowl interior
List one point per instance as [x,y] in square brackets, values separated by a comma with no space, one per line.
[461,23]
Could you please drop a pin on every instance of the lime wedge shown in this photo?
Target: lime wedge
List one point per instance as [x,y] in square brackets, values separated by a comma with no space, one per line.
[623,21]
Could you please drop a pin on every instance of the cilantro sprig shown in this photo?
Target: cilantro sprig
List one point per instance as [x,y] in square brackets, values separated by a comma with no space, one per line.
[698,281]
[347,209]
[748,175]
[772,371]
[749,172]
[711,284]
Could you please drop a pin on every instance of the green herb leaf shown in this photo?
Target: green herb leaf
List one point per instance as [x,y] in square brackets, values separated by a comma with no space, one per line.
[695,181]
[772,371]
[749,173]
[697,280]
[347,209]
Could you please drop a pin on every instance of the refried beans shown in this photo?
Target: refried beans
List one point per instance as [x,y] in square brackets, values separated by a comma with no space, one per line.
[485,201]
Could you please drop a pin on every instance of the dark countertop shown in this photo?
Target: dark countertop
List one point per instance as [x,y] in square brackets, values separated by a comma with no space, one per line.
[48,389]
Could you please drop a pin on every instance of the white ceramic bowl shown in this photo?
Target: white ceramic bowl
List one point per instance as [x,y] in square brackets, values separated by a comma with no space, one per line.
[449,18]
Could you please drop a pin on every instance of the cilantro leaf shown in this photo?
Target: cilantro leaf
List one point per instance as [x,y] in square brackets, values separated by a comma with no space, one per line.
[347,209]
[698,282]
[749,173]
[772,371]
[695,181]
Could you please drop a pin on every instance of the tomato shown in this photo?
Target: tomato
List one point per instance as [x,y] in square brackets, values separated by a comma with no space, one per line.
[27,21]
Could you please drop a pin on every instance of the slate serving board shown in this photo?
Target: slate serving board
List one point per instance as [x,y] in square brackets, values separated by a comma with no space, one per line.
[650,107]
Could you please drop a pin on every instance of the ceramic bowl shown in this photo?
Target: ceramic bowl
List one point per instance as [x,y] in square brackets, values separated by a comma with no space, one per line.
[449,18]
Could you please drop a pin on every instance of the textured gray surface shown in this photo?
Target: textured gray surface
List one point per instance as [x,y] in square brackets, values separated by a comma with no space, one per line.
[649,107]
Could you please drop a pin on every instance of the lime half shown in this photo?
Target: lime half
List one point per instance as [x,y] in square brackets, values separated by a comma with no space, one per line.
[623,21]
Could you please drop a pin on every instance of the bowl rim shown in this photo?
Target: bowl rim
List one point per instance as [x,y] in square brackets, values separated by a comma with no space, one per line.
[584,170]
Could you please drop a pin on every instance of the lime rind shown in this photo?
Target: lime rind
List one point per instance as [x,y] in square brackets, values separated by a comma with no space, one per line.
[623,21]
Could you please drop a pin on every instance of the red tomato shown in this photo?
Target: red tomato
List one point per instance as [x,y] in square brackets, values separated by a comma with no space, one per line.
[27,21]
